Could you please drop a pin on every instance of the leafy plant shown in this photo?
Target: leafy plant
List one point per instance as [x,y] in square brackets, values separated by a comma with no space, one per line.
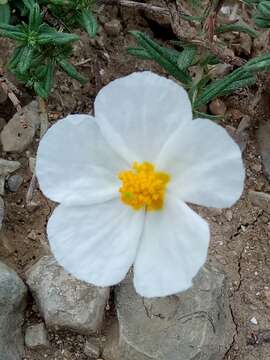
[203,89]
[262,14]
[41,49]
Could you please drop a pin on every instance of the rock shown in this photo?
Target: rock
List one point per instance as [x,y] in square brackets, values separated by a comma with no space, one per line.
[111,346]
[7,167]
[263,136]
[36,337]
[195,324]
[2,184]
[13,295]
[242,132]
[113,27]
[14,182]
[92,348]
[217,107]
[2,211]
[260,199]
[19,132]
[2,123]
[3,96]
[65,302]
[32,164]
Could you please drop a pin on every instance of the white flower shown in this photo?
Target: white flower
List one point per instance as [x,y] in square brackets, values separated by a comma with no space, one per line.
[123,177]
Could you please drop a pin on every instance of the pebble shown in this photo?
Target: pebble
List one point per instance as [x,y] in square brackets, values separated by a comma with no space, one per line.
[14,182]
[32,164]
[2,123]
[2,185]
[7,166]
[260,199]
[64,301]
[19,132]
[217,107]
[253,320]
[36,337]
[91,348]
[113,27]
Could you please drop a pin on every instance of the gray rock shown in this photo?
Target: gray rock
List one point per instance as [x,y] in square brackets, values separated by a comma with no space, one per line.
[92,348]
[260,199]
[195,324]
[14,182]
[2,123]
[8,167]
[65,302]
[19,132]
[3,96]
[13,295]
[2,184]
[36,337]
[111,347]
[113,27]
[2,211]
[263,136]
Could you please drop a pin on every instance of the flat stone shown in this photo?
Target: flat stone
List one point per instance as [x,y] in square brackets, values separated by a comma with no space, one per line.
[14,182]
[260,199]
[13,294]
[195,324]
[65,302]
[2,211]
[113,27]
[19,132]
[8,167]
[36,337]
[92,348]
[263,136]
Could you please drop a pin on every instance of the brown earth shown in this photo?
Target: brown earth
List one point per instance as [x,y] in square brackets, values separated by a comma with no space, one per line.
[240,236]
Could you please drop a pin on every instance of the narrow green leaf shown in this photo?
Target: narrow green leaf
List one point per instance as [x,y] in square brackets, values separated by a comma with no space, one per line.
[89,22]
[15,59]
[237,27]
[57,38]
[12,32]
[164,58]
[49,78]
[4,13]
[140,53]
[25,58]
[29,4]
[70,69]
[186,58]
[40,90]
[248,81]
[35,18]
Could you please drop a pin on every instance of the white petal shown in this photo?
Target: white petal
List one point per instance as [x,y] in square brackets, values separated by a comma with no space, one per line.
[205,165]
[172,250]
[75,165]
[96,243]
[143,109]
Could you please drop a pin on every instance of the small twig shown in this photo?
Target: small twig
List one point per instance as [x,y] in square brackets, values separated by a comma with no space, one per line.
[83,62]
[137,5]
[9,89]
[44,124]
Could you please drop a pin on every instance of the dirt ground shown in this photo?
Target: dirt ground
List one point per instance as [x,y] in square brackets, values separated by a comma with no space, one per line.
[240,236]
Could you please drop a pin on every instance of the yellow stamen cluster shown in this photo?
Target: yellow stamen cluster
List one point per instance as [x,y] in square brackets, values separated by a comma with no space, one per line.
[143,187]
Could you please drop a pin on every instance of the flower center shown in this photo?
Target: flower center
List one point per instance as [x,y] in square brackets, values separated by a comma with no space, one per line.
[143,186]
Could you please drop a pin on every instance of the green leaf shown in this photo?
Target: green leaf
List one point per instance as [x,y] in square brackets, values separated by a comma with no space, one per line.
[29,4]
[4,13]
[140,53]
[12,32]
[162,56]
[264,8]
[40,90]
[26,57]
[35,18]
[186,58]
[49,78]
[89,22]
[262,22]
[15,59]
[57,38]
[70,69]
[237,27]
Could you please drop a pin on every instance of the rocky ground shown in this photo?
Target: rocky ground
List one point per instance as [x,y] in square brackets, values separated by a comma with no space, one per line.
[47,314]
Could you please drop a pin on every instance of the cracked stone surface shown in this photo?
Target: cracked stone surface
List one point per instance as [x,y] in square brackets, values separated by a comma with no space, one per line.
[65,302]
[195,324]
